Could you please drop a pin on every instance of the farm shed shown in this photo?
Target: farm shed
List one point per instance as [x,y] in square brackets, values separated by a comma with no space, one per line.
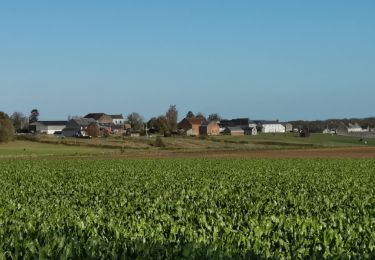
[235,131]
[48,127]
[271,127]
[250,130]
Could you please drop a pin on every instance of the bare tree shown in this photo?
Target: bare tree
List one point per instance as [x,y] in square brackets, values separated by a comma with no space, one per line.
[214,117]
[136,121]
[19,121]
[171,117]
[200,115]
[162,124]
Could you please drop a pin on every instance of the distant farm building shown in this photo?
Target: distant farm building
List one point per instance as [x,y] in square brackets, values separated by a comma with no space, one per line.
[48,127]
[270,127]
[79,127]
[356,128]
[235,131]
[249,130]
[288,127]
[118,119]
[211,128]
[190,126]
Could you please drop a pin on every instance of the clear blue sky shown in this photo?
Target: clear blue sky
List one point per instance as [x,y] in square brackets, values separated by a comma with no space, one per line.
[260,59]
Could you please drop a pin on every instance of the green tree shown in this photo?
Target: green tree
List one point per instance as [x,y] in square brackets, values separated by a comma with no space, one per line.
[190,114]
[6,128]
[171,117]
[34,114]
[159,124]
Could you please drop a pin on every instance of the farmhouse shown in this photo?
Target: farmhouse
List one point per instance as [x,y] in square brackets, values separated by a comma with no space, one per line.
[79,127]
[190,126]
[48,127]
[117,119]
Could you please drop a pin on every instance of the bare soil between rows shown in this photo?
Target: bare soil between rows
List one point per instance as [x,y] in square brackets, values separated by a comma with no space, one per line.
[351,152]
[347,152]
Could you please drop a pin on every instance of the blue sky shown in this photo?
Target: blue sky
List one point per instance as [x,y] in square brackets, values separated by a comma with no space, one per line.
[281,60]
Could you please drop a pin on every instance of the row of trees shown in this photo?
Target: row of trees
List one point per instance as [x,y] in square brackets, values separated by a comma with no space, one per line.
[166,124]
[17,122]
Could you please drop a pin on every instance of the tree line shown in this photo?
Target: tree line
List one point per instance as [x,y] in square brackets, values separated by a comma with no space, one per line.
[317,126]
[164,124]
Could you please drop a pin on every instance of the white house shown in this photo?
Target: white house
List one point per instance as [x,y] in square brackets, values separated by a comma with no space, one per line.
[118,119]
[48,127]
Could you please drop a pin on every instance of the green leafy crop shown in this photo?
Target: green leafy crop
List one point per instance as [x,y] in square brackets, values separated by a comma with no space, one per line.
[126,209]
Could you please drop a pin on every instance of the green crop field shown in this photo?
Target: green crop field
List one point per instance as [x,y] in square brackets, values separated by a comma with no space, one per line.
[187,208]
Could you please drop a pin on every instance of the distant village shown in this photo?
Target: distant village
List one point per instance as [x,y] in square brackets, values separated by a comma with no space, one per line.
[102,124]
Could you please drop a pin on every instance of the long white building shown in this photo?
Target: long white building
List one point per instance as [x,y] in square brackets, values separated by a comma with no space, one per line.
[48,127]
[271,127]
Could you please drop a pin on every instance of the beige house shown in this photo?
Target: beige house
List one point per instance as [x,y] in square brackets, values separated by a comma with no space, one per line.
[190,126]
[211,128]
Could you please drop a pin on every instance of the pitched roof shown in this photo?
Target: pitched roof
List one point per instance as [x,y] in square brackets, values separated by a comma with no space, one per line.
[83,121]
[117,116]
[266,122]
[95,116]
[234,128]
[51,122]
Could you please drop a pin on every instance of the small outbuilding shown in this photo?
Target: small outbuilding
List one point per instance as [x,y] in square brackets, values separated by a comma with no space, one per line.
[47,127]
[235,131]
[250,130]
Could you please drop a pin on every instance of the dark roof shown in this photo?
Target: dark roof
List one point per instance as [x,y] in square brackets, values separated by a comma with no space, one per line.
[235,128]
[95,116]
[117,116]
[236,122]
[83,121]
[266,122]
[52,122]
[247,128]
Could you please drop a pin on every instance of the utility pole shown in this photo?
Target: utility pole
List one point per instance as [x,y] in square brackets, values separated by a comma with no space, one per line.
[146,130]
